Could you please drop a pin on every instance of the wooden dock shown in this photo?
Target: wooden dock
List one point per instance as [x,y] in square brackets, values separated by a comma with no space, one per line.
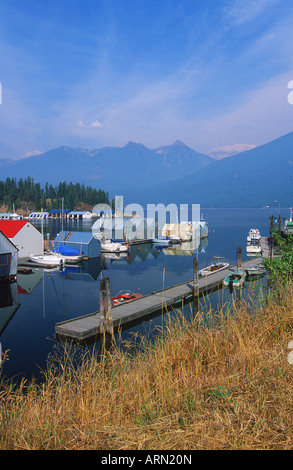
[86,327]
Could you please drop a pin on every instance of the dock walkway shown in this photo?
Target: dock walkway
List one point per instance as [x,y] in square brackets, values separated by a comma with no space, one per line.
[87,326]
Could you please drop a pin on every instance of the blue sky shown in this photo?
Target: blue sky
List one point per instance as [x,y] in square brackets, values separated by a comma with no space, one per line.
[97,73]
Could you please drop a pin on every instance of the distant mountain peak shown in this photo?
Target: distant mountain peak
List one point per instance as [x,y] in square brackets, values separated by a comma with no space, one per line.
[179,143]
[132,144]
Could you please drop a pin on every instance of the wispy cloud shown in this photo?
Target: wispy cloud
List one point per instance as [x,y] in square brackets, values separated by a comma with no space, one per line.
[241,12]
[212,74]
[93,125]
[262,115]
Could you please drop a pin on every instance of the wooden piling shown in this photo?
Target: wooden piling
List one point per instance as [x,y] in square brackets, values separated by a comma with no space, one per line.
[109,321]
[239,257]
[105,308]
[102,308]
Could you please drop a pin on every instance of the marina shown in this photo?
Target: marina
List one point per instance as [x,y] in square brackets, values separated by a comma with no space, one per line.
[86,327]
[44,297]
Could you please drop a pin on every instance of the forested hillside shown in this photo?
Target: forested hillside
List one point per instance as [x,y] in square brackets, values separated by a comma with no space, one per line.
[27,195]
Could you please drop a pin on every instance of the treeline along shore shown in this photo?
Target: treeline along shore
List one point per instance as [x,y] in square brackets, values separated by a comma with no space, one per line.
[26,195]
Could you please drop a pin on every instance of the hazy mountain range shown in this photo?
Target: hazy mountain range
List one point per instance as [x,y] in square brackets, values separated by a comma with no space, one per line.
[174,173]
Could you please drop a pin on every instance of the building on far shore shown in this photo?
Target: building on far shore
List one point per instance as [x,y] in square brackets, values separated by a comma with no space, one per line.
[38,215]
[79,215]
[10,216]
[58,213]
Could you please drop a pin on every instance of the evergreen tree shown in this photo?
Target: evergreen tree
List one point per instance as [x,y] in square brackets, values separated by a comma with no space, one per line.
[27,193]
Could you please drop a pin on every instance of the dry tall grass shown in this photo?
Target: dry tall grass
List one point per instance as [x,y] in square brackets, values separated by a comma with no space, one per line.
[228,386]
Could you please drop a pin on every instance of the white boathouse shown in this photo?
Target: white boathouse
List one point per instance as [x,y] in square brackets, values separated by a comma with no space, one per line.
[24,236]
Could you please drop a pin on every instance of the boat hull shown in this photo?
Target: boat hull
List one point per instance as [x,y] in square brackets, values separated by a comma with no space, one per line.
[161,240]
[255,270]
[213,269]
[123,297]
[46,260]
[114,248]
[235,278]
[69,259]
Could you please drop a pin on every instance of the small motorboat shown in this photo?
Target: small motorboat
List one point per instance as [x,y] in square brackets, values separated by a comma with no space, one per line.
[115,256]
[255,270]
[216,264]
[161,239]
[47,260]
[114,247]
[235,278]
[124,296]
[254,246]
[253,234]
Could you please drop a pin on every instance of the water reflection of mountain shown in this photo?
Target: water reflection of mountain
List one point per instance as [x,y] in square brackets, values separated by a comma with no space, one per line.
[137,253]
[148,251]
[9,303]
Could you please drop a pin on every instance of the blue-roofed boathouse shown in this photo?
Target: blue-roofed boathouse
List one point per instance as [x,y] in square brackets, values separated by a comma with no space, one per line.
[83,241]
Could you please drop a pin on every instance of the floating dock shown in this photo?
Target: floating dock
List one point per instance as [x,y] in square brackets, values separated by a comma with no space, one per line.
[86,327]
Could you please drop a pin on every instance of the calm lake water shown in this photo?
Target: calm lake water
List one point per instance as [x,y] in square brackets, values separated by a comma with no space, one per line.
[47,297]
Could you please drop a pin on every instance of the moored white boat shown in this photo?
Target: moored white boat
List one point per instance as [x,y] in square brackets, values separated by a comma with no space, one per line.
[114,247]
[115,256]
[253,234]
[162,240]
[217,263]
[68,259]
[254,246]
[46,260]
[68,255]
[252,249]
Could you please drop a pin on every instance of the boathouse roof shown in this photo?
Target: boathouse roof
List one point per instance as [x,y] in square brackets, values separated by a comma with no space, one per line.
[11,227]
[85,241]
[60,211]
[79,212]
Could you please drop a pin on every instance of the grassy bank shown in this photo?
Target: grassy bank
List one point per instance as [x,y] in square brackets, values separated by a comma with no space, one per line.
[228,386]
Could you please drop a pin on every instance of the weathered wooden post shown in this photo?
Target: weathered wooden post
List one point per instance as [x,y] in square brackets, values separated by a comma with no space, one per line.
[105,308]
[195,286]
[239,257]
[102,307]
[109,321]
